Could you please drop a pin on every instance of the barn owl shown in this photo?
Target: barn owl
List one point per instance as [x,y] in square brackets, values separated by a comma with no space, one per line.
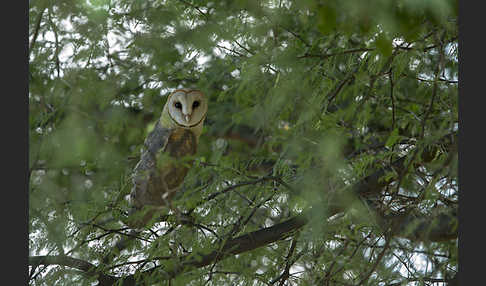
[161,169]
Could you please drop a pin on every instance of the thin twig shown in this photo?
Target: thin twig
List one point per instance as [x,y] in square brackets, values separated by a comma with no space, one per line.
[325,56]
[390,75]
[426,115]
[37,28]
[197,8]
[140,261]
[377,261]
[56,53]
[433,81]
[244,48]
[231,50]
[296,35]
[232,187]
[330,274]
[285,275]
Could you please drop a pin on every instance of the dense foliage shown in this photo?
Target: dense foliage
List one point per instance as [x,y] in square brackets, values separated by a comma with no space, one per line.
[328,157]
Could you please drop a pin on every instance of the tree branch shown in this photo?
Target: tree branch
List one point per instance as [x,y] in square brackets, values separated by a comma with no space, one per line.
[415,228]
[440,227]
[325,56]
[86,267]
[234,246]
[37,28]
[429,231]
[56,37]
[378,260]
[437,228]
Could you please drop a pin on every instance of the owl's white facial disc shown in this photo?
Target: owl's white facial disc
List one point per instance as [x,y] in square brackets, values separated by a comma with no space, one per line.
[187,107]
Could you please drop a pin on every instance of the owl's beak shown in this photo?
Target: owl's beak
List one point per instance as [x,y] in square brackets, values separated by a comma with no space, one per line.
[187,117]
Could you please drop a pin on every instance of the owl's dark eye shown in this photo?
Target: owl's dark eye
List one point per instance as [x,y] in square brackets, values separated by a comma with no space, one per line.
[178,105]
[195,104]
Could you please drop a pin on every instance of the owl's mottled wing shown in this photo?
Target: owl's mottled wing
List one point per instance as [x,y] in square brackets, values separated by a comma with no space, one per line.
[145,172]
[161,169]
[181,143]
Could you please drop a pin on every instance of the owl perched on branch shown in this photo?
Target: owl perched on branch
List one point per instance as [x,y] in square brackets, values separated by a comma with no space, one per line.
[162,168]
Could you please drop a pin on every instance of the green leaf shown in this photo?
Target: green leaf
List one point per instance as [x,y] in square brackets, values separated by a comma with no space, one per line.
[384,45]
[392,138]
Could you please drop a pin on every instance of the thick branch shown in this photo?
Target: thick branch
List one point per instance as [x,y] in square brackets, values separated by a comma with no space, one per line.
[86,267]
[62,260]
[419,228]
[438,228]
[234,246]
[441,227]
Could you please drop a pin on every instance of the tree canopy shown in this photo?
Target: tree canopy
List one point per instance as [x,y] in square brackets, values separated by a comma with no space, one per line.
[328,156]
